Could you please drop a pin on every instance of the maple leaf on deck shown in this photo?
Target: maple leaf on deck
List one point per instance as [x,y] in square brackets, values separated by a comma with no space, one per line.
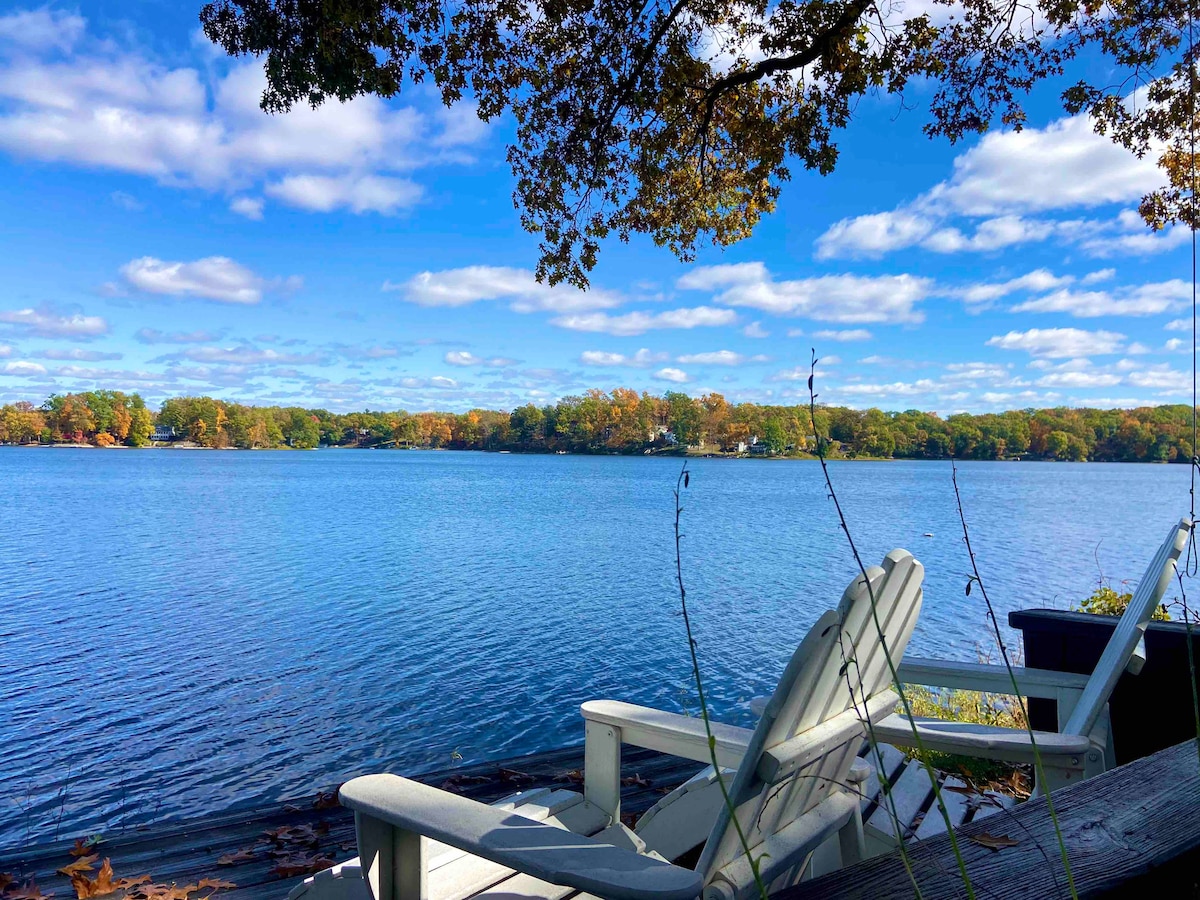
[81,865]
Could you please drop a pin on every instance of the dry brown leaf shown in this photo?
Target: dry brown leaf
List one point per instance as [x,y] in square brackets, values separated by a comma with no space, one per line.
[326,800]
[300,864]
[81,865]
[124,884]
[84,846]
[100,886]
[993,841]
[5,880]
[28,891]
[515,777]
[575,776]
[246,854]
[162,892]
[215,884]
[635,780]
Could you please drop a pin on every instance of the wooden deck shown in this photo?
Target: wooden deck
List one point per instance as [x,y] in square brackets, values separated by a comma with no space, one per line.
[1133,831]
[183,854]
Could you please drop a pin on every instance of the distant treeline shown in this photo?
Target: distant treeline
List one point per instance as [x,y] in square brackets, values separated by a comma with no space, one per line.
[622,421]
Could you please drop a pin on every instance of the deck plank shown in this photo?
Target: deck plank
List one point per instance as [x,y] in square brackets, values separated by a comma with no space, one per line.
[184,852]
[1121,825]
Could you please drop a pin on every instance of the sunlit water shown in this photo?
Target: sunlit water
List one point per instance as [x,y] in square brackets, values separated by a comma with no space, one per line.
[185,632]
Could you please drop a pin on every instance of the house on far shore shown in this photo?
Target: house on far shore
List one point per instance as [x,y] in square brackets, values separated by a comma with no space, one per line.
[164,434]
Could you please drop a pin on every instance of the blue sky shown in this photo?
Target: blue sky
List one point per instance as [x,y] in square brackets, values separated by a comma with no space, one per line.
[162,235]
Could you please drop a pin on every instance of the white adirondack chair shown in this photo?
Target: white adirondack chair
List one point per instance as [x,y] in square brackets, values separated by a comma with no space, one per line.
[1082,746]
[789,791]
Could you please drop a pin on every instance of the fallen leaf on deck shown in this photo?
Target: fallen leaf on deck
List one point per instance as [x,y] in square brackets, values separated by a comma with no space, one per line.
[575,776]
[214,884]
[300,864]
[81,865]
[84,846]
[292,834]
[161,892]
[514,776]
[994,842]
[455,782]
[635,780]
[99,886]
[327,799]
[124,884]
[5,881]
[291,808]
[28,891]
[246,854]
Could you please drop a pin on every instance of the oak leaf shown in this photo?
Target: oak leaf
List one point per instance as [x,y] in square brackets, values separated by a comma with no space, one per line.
[215,884]
[994,842]
[100,886]
[81,865]
[635,780]
[300,864]
[575,776]
[246,854]
[28,891]
[326,800]
[84,846]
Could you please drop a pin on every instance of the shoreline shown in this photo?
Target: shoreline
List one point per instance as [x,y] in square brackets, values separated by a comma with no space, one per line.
[671,454]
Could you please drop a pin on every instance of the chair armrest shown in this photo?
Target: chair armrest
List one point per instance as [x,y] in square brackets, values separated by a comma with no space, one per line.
[667,732]
[533,848]
[1040,683]
[980,741]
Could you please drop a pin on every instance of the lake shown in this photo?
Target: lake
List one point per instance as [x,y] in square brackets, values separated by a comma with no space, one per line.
[185,632]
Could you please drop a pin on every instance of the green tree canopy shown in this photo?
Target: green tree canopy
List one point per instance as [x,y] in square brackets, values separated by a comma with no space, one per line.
[681,119]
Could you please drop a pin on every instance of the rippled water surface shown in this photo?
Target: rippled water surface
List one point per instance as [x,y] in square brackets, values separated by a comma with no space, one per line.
[185,632]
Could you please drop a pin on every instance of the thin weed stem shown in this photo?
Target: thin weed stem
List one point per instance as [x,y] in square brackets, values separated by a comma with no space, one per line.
[1039,769]
[680,484]
[887,654]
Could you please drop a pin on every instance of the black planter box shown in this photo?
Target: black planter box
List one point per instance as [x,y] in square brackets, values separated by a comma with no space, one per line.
[1150,711]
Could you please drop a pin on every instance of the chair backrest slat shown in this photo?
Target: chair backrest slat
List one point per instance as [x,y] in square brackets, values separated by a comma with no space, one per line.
[842,653]
[1129,631]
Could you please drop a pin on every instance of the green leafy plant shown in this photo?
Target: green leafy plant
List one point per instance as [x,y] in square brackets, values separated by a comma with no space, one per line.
[1105,601]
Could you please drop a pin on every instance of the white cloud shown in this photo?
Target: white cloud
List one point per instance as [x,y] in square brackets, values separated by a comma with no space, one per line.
[21,367]
[250,207]
[1004,178]
[109,108]
[1162,377]
[464,359]
[76,354]
[1179,325]
[756,330]
[1143,300]
[641,322]
[849,299]
[1036,281]
[154,336]
[248,356]
[355,192]
[678,376]
[1055,343]
[45,321]
[1098,276]
[640,360]
[214,278]
[848,334]
[6,351]
[42,29]
[1077,380]
[720,358]
[126,201]
[873,235]
[471,284]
